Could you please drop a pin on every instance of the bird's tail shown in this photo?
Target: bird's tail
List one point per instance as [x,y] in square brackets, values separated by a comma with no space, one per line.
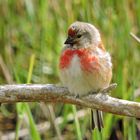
[97,119]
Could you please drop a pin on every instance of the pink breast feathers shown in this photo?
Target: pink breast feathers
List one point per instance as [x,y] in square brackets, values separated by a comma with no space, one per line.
[88,61]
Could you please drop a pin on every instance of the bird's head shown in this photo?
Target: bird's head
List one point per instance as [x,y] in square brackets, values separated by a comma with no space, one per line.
[81,35]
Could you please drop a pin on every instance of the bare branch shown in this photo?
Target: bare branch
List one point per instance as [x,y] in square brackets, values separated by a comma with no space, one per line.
[53,93]
[135,37]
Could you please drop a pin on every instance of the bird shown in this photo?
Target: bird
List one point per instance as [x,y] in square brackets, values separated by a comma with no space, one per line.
[85,66]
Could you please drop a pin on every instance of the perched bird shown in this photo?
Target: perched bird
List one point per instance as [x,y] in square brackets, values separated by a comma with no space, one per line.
[85,66]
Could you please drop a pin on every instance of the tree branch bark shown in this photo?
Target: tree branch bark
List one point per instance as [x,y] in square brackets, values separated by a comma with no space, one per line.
[53,93]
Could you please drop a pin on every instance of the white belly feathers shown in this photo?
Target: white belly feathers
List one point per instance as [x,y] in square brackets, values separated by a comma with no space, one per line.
[74,78]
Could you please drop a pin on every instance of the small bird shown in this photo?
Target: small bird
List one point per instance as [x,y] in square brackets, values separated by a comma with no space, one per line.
[85,66]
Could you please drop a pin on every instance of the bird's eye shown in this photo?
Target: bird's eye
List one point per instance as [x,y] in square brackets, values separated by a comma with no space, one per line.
[78,36]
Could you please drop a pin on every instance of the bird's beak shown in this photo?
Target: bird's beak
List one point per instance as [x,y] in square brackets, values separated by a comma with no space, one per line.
[69,40]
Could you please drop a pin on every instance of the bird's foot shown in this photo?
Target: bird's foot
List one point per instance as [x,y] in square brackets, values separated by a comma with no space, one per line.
[93,92]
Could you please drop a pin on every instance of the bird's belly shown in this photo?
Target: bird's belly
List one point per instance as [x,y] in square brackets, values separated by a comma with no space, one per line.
[78,81]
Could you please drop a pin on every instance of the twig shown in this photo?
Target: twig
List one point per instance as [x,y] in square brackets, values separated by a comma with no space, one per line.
[135,37]
[53,93]
[108,89]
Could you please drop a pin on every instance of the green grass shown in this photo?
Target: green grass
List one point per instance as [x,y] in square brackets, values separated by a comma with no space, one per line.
[77,125]
[39,27]
[23,110]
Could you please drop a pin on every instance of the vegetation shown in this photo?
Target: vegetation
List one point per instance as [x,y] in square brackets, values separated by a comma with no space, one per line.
[32,34]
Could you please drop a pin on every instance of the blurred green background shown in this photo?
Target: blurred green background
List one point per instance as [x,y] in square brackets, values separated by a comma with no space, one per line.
[32,33]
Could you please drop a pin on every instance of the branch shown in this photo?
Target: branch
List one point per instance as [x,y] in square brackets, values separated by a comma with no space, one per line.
[135,37]
[53,93]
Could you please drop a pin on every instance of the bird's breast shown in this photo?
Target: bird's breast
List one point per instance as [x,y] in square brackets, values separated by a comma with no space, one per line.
[83,70]
[80,58]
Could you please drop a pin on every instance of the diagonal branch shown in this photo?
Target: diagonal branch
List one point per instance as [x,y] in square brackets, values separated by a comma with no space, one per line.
[135,37]
[53,93]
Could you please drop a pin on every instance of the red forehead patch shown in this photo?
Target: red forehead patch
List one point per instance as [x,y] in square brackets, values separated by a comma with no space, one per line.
[72,32]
